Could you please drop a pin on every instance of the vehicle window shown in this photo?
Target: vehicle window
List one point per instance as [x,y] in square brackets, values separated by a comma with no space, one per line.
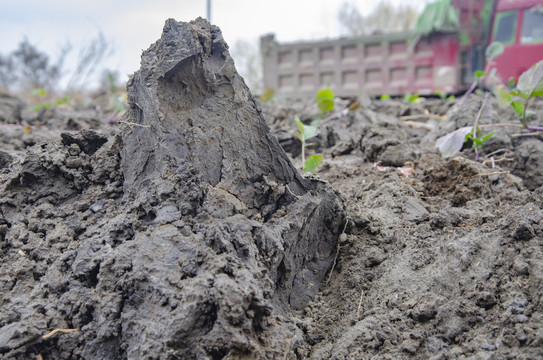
[505,27]
[532,27]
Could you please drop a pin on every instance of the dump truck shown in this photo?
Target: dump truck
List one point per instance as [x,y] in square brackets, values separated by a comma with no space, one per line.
[441,54]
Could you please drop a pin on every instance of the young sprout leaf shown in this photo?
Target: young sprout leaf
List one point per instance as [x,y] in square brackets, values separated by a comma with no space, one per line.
[312,163]
[502,95]
[315,122]
[305,131]
[487,136]
[530,83]
[441,94]
[38,92]
[479,74]
[451,143]
[478,142]
[384,97]
[300,125]
[325,100]
[518,107]
[494,50]
[309,132]
[268,95]
[410,98]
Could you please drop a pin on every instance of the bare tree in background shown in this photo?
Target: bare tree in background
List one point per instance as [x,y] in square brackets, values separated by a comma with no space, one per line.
[28,68]
[90,58]
[248,60]
[385,18]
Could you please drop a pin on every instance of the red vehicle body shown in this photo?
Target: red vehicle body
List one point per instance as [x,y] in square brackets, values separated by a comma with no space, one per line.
[441,59]
[518,24]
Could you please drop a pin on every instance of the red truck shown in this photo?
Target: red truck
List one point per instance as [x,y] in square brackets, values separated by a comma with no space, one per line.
[442,53]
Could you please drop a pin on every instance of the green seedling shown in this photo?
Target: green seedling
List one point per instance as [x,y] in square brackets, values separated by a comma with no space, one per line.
[451,143]
[268,95]
[312,163]
[492,52]
[477,142]
[117,102]
[304,133]
[41,93]
[384,97]
[530,85]
[479,75]
[325,100]
[443,95]
[410,98]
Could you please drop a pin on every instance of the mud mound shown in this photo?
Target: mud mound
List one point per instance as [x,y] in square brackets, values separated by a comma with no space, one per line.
[189,235]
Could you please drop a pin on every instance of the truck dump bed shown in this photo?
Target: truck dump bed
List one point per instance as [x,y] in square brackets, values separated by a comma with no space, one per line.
[374,65]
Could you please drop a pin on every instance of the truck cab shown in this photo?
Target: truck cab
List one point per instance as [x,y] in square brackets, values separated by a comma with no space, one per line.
[518,25]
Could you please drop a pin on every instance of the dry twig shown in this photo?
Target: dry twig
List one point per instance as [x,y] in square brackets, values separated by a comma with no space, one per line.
[134,124]
[54,331]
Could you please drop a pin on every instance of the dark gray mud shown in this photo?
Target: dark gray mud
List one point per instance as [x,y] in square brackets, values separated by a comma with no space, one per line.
[443,264]
[186,232]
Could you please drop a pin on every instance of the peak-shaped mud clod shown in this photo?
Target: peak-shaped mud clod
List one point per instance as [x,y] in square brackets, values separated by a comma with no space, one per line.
[258,230]
[191,236]
[198,112]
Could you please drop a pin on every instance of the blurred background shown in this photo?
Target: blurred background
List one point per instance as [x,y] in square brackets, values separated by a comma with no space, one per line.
[69,46]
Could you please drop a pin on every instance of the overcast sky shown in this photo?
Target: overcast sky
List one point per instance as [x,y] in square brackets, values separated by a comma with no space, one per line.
[132,26]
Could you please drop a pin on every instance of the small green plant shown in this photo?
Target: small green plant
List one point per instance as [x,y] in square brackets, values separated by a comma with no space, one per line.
[384,97]
[117,102]
[443,95]
[477,142]
[41,93]
[268,95]
[492,52]
[530,85]
[304,133]
[451,143]
[410,98]
[325,100]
